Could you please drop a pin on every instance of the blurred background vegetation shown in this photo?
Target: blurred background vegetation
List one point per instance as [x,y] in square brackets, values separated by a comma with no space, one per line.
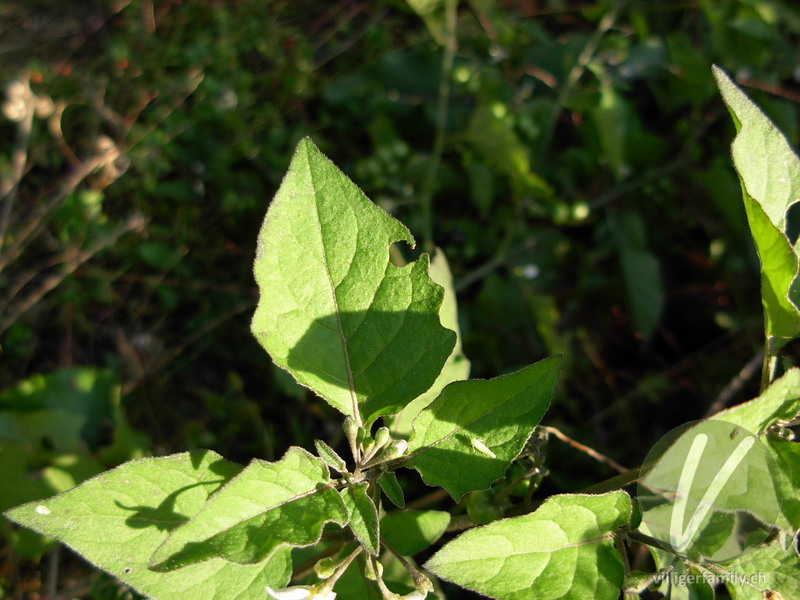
[570,157]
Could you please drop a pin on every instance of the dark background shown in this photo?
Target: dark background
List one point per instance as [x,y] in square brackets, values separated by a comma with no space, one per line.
[585,200]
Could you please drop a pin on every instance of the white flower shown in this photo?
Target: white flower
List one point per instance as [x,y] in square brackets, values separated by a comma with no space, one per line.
[300,592]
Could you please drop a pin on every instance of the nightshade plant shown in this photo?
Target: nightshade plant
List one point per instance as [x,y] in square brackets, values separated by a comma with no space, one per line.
[378,342]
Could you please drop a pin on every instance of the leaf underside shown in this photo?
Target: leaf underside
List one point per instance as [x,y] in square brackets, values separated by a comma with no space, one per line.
[363,334]
[769,172]
[118,519]
[265,506]
[481,426]
[564,550]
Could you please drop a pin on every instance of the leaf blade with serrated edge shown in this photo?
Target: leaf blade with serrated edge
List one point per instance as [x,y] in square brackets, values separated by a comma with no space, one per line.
[360,332]
[117,519]
[765,568]
[480,426]
[363,517]
[769,171]
[564,550]
[457,366]
[267,505]
[780,401]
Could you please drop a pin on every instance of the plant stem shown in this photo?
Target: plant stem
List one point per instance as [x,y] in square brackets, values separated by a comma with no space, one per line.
[769,371]
[586,449]
[331,581]
[426,194]
[135,222]
[619,544]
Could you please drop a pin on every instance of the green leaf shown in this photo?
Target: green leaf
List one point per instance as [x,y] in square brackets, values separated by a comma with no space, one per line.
[330,456]
[118,519]
[687,582]
[769,172]
[360,332]
[712,491]
[780,401]
[80,397]
[640,270]
[787,455]
[411,531]
[363,516]
[766,568]
[265,506]
[469,435]
[53,431]
[492,136]
[564,550]
[457,366]
[391,487]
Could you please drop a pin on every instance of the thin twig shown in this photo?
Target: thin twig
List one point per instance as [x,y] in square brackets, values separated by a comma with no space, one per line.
[53,563]
[587,450]
[427,500]
[683,156]
[460,523]
[135,222]
[499,260]
[350,42]
[736,384]
[619,544]
[36,223]
[188,341]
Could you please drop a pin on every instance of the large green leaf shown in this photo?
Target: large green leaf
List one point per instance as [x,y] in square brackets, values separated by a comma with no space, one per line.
[780,401]
[363,334]
[265,506]
[469,435]
[564,550]
[363,516]
[769,172]
[118,519]
[457,366]
[767,568]
[712,490]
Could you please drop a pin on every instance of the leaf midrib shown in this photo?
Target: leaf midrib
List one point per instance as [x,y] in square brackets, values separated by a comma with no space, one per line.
[345,350]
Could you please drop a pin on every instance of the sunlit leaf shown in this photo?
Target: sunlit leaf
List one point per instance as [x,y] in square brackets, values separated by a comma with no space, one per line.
[564,550]
[118,519]
[457,366]
[480,426]
[267,505]
[769,171]
[362,333]
[363,516]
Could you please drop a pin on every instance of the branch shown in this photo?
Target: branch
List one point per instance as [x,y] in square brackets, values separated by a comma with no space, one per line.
[135,222]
